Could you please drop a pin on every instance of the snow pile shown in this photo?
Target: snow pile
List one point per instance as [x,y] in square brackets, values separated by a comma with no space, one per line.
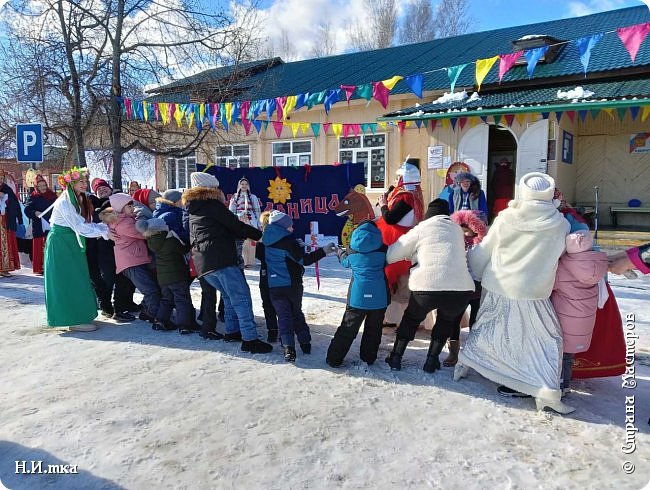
[475,96]
[135,408]
[449,98]
[575,94]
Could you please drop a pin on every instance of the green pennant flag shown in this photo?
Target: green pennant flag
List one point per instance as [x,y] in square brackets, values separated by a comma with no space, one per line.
[497,119]
[621,112]
[315,99]
[365,127]
[594,113]
[315,127]
[365,91]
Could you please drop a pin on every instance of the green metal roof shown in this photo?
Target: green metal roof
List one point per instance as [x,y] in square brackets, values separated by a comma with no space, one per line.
[621,93]
[358,68]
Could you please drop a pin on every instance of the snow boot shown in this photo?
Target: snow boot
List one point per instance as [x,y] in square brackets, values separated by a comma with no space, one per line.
[394,359]
[290,354]
[305,347]
[433,362]
[460,371]
[211,335]
[233,337]
[256,346]
[452,358]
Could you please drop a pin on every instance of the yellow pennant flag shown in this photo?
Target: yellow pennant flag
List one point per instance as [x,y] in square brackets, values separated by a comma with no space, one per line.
[390,83]
[294,128]
[190,119]
[610,111]
[289,105]
[521,118]
[144,110]
[383,125]
[473,121]
[408,124]
[162,110]
[337,129]
[445,123]
[228,107]
[202,112]
[645,113]
[304,127]
[178,115]
[482,68]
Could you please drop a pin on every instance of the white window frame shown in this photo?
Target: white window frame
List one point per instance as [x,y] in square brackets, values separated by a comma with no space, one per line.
[183,166]
[232,161]
[293,158]
[368,150]
[55,182]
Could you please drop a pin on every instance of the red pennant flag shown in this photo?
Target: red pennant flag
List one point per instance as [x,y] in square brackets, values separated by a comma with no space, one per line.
[401,125]
[380,93]
[349,90]
[434,123]
[462,121]
[326,126]
[509,119]
[572,115]
[506,61]
[278,125]
[632,37]
[346,130]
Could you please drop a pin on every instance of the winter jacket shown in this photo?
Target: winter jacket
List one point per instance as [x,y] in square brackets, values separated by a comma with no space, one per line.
[575,296]
[130,246]
[173,218]
[518,257]
[12,211]
[171,266]
[640,257]
[213,230]
[367,257]
[455,199]
[285,257]
[39,202]
[436,247]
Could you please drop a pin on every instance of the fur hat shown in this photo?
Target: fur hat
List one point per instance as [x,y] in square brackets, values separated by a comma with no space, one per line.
[473,219]
[579,241]
[437,207]
[97,183]
[536,186]
[281,219]
[201,179]
[460,176]
[172,195]
[119,200]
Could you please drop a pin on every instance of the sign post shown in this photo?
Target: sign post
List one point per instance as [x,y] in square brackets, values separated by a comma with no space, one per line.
[29,143]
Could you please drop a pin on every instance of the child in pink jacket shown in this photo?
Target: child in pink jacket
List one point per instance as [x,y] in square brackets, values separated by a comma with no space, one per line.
[575,296]
[131,252]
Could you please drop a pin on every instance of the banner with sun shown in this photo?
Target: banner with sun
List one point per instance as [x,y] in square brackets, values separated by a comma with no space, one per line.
[306,193]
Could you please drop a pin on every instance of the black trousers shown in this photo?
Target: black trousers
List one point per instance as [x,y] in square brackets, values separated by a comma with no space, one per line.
[450,305]
[103,290]
[208,313]
[348,330]
[474,305]
[270,315]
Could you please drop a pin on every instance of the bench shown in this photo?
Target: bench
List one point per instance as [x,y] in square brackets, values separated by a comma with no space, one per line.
[614,210]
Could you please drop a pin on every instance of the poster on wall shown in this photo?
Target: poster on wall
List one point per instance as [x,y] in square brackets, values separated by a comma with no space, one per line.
[434,156]
[640,143]
[567,147]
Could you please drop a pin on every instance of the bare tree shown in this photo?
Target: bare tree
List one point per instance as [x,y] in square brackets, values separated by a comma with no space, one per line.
[379,30]
[418,23]
[452,18]
[325,43]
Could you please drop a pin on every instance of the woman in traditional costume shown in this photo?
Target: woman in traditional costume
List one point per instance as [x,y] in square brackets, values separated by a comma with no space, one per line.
[246,206]
[401,209]
[10,217]
[69,297]
[39,201]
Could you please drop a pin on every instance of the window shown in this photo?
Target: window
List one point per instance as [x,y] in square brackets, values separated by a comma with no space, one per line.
[55,182]
[291,153]
[369,150]
[234,156]
[179,170]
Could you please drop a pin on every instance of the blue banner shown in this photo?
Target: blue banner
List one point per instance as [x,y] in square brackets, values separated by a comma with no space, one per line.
[306,193]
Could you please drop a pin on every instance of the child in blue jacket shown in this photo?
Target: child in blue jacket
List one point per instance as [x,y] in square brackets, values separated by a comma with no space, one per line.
[285,260]
[367,296]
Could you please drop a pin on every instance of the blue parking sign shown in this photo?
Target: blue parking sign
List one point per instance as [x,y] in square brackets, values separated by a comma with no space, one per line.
[29,143]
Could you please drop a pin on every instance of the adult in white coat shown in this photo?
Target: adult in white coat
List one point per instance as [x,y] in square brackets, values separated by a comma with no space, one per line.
[246,206]
[517,340]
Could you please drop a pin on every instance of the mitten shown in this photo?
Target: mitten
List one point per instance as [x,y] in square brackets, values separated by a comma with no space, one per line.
[330,248]
[153,226]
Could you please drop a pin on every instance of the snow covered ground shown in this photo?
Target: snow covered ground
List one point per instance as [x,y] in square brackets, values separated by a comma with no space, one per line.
[139,409]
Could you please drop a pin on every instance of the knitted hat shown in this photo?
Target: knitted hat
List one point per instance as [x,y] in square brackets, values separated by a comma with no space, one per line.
[119,200]
[172,195]
[39,178]
[281,219]
[201,179]
[536,186]
[145,196]
[437,207]
[579,241]
[97,183]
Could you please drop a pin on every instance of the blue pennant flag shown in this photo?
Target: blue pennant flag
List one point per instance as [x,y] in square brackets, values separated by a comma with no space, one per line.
[585,45]
[415,83]
[258,125]
[331,98]
[533,56]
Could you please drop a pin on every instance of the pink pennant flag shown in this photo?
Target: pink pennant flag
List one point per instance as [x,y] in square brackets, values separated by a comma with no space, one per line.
[380,93]
[247,125]
[349,90]
[632,37]
[214,113]
[347,129]
[462,121]
[510,118]
[243,109]
[356,129]
[326,126]
[278,125]
[129,108]
[434,123]
[280,101]
[572,115]
[506,61]
[171,110]
[401,125]
[155,111]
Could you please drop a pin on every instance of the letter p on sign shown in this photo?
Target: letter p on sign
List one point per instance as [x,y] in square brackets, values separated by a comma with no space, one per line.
[29,143]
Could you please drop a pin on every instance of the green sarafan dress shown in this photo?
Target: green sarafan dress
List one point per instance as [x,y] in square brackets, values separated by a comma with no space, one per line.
[69,295]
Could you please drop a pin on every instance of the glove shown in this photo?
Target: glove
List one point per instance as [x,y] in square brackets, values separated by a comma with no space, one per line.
[341,253]
[330,248]
[300,242]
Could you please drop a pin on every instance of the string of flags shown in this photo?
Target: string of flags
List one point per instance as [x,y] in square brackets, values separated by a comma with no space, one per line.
[247,112]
